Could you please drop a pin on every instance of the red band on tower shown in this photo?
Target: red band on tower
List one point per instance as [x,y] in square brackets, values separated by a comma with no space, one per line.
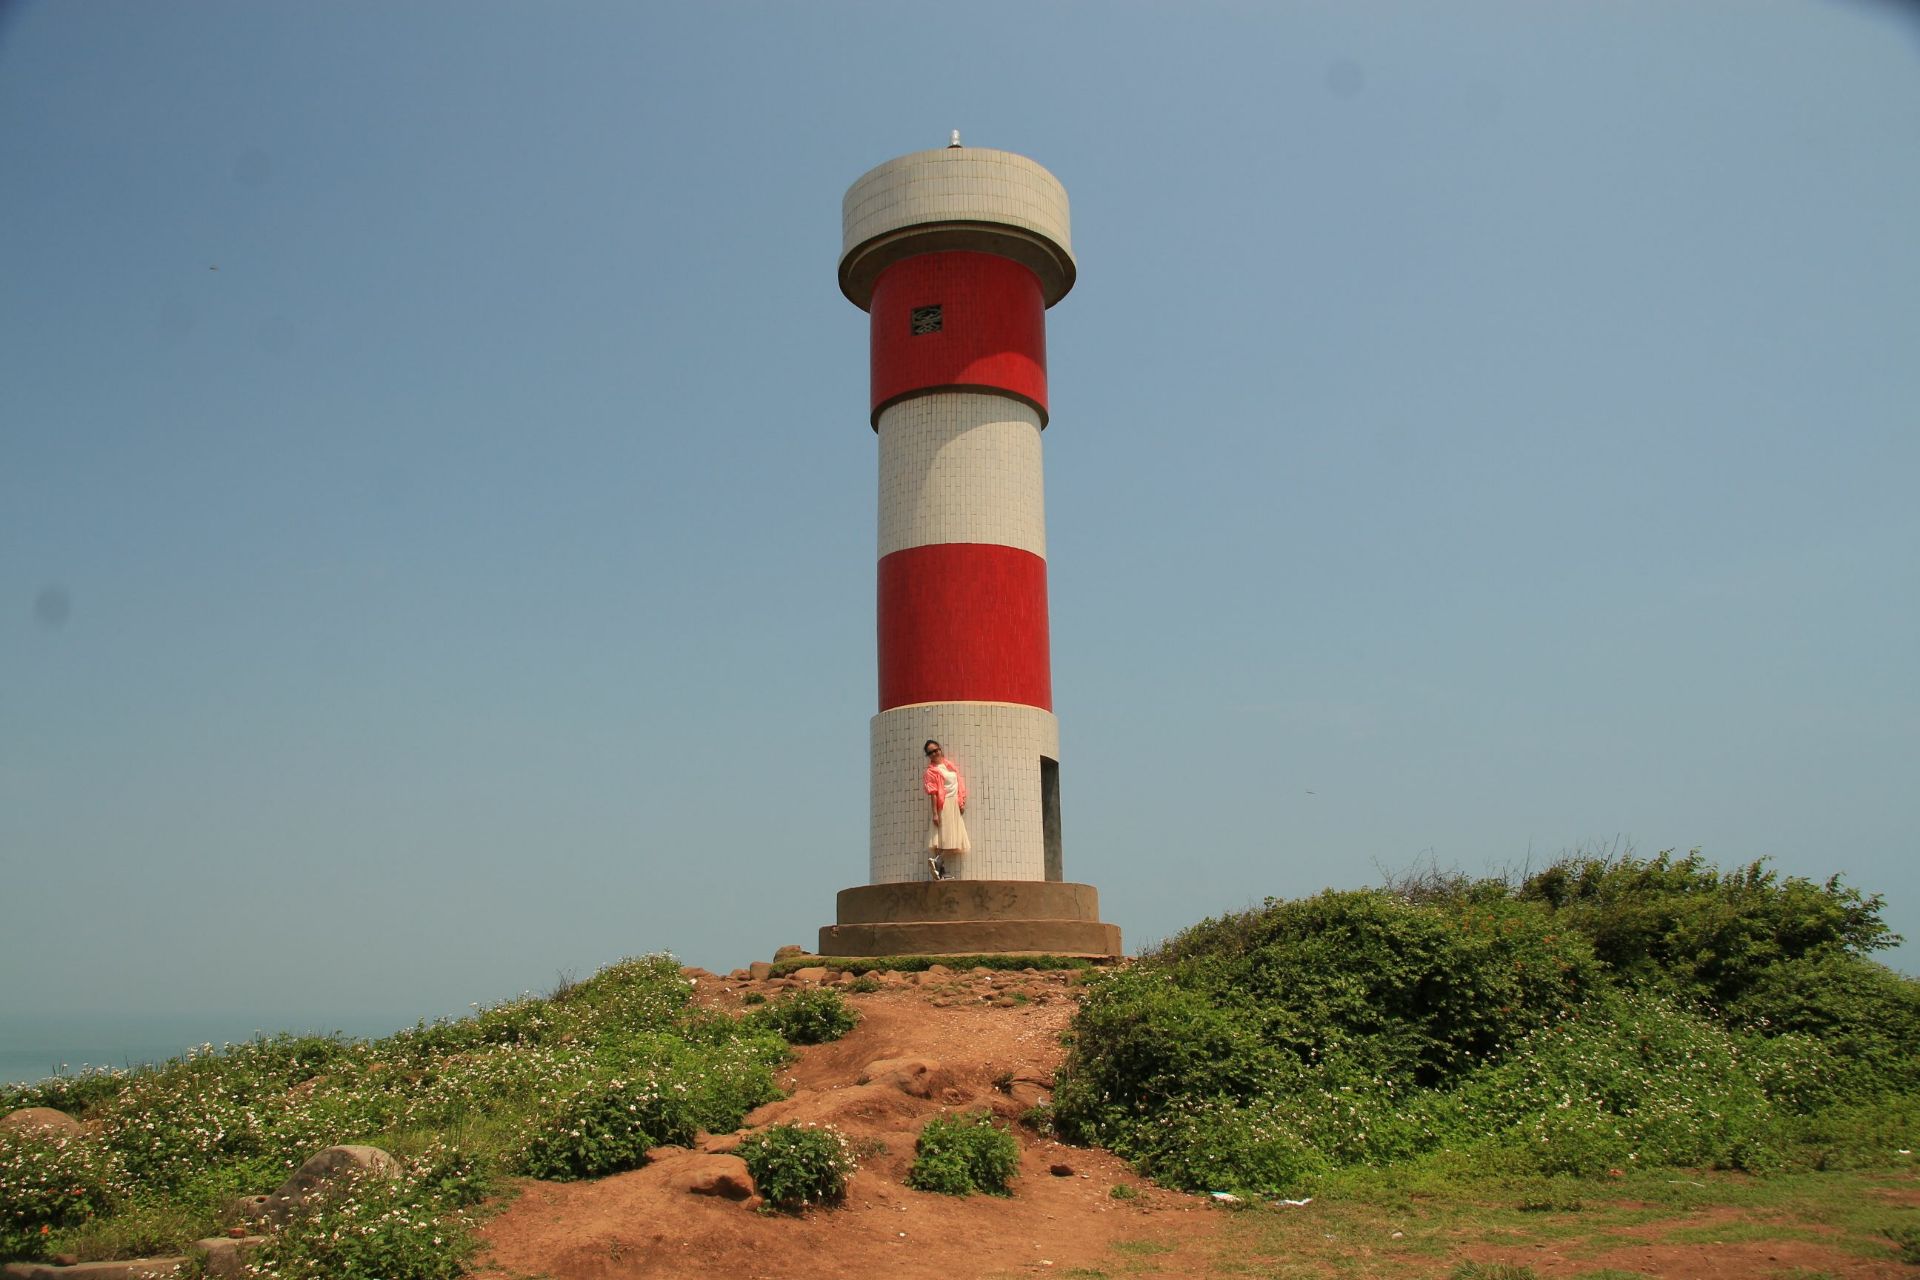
[964,622]
[954,320]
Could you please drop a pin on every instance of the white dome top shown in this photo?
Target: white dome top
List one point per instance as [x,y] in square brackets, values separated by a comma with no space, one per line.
[955,198]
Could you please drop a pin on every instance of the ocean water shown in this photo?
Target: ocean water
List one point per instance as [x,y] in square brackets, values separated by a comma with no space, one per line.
[33,1046]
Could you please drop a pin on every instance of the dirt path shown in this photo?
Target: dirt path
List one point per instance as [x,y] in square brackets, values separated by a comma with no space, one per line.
[951,1048]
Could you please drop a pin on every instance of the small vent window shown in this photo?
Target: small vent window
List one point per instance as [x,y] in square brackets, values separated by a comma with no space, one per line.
[926,320]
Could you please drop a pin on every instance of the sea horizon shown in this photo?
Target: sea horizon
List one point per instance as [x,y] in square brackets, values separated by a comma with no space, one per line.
[36,1046]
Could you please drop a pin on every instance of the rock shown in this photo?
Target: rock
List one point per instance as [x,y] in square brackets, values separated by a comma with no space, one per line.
[893,978]
[723,1143]
[912,1076]
[44,1121]
[127,1269]
[711,1175]
[812,973]
[788,953]
[1027,1095]
[740,975]
[925,978]
[314,1179]
[760,971]
[248,1210]
[844,978]
[656,1154]
[689,971]
[1060,1170]
[227,1259]
[937,969]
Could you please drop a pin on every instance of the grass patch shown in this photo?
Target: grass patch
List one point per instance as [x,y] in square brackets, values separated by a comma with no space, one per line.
[578,1084]
[1742,1232]
[916,964]
[1443,1210]
[1142,1248]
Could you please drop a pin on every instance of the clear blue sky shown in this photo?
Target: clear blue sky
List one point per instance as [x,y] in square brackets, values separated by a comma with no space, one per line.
[1480,431]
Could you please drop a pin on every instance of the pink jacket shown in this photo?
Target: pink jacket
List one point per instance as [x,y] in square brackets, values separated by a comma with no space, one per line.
[937,786]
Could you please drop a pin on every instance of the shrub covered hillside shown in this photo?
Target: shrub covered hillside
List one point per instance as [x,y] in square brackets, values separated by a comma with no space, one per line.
[579,1084]
[1599,1014]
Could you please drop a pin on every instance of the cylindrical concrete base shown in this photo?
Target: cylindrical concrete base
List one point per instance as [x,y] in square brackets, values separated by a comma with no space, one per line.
[970,917]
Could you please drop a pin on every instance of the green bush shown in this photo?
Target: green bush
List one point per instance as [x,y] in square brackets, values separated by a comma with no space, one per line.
[1221,1145]
[1629,1080]
[76,1094]
[960,1154]
[724,1069]
[48,1183]
[1679,924]
[409,1227]
[813,1016]
[1866,1016]
[606,1127]
[796,1166]
[1602,1012]
[1417,992]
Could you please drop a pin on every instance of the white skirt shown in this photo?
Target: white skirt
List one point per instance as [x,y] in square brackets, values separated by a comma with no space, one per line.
[949,835]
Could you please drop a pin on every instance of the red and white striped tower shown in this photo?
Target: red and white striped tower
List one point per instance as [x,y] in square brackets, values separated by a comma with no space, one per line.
[956,254]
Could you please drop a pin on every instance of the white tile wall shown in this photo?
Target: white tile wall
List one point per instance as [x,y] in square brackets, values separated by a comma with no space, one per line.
[998,747]
[961,467]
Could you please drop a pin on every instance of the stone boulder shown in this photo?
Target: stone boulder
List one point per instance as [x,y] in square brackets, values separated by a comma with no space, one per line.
[225,1258]
[1028,1095]
[789,953]
[915,1077]
[321,1174]
[44,1121]
[725,1176]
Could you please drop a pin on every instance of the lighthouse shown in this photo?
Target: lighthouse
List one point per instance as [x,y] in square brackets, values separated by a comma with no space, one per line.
[956,254]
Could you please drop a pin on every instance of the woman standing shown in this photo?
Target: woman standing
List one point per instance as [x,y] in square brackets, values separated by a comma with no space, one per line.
[947,790]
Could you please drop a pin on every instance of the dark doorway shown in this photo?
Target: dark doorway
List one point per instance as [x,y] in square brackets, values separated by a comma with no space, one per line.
[1050,816]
